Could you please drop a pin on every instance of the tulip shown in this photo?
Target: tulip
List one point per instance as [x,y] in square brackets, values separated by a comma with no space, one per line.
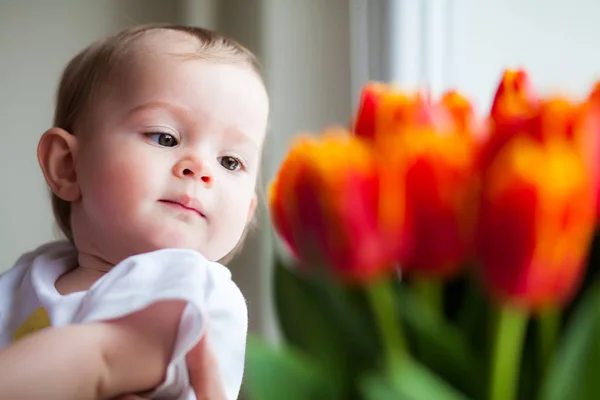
[324,203]
[429,148]
[384,109]
[591,138]
[463,115]
[327,206]
[514,106]
[518,110]
[535,225]
[536,215]
[535,222]
[364,124]
[515,96]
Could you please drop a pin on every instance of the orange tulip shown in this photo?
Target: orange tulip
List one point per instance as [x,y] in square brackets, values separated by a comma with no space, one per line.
[463,115]
[538,194]
[364,124]
[535,222]
[429,148]
[384,110]
[514,107]
[324,203]
[401,111]
[515,96]
[517,110]
[591,141]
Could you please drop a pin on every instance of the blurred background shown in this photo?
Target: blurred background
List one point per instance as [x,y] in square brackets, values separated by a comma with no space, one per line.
[316,55]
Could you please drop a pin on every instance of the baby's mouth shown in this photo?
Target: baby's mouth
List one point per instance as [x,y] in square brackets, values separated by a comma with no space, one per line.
[182,206]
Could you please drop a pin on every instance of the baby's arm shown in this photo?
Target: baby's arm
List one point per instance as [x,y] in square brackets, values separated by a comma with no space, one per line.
[98,360]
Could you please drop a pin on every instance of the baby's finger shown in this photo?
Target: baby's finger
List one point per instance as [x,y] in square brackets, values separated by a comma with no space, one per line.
[204,372]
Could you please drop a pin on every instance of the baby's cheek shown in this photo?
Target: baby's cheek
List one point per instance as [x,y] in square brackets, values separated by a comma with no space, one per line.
[233,222]
[113,186]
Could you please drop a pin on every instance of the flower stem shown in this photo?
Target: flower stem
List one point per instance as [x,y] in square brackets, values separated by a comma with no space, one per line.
[549,322]
[383,302]
[431,293]
[506,357]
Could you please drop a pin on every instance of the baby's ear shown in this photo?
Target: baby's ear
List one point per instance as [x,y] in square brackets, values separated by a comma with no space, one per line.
[252,208]
[57,151]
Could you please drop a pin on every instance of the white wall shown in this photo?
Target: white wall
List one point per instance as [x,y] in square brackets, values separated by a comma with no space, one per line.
[556,40]
[307,64]
[467,43]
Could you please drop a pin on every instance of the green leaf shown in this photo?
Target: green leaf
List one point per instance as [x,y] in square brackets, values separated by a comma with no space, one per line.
[379,387]
[576,365]
[304,320]
[473,308]
[330,322]
[412,382]
[349,309]
[275,374]
[448,352]
[591,383]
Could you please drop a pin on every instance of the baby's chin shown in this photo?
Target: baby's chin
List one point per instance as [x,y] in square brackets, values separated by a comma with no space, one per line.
[212,248]
[124,244]
[172,243]
[148,242]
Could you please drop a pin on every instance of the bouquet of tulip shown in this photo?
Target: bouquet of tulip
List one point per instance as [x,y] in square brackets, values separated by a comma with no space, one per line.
[438,254]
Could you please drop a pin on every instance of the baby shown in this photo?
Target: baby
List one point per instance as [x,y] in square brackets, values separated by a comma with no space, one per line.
[152,164]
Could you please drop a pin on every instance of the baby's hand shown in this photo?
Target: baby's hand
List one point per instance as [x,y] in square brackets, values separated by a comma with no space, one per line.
[203,372]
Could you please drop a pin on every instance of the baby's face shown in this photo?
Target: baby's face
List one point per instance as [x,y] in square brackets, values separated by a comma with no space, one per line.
[170,157]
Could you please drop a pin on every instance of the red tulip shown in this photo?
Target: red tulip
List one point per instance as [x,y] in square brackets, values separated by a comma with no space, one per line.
[517,110]
[384,110]
[325,207]
[535,222]
[538,194]
[430,151]
[591,138]
[463,114]
[515,96]
[514,107]
[364,124]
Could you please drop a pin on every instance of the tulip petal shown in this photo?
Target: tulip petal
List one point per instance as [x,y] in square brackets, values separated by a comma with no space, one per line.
[325,207]
[535,222]
[364,125]
[429,151]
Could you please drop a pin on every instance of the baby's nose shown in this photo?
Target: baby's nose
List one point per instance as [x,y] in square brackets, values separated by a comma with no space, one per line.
[193,169]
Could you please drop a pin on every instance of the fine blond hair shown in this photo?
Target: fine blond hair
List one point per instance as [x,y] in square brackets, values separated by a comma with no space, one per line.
[92,67]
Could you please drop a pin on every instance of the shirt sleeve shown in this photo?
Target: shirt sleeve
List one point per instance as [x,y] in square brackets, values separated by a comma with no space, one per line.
[214,302]
[17,297]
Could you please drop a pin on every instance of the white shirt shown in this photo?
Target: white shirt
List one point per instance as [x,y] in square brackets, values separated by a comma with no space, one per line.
[29,301]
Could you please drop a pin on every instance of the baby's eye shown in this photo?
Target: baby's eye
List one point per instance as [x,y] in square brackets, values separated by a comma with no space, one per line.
[163,139]
[230,163]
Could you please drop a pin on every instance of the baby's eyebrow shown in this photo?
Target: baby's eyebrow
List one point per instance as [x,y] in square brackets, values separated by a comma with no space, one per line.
[240,137]
[158,104]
